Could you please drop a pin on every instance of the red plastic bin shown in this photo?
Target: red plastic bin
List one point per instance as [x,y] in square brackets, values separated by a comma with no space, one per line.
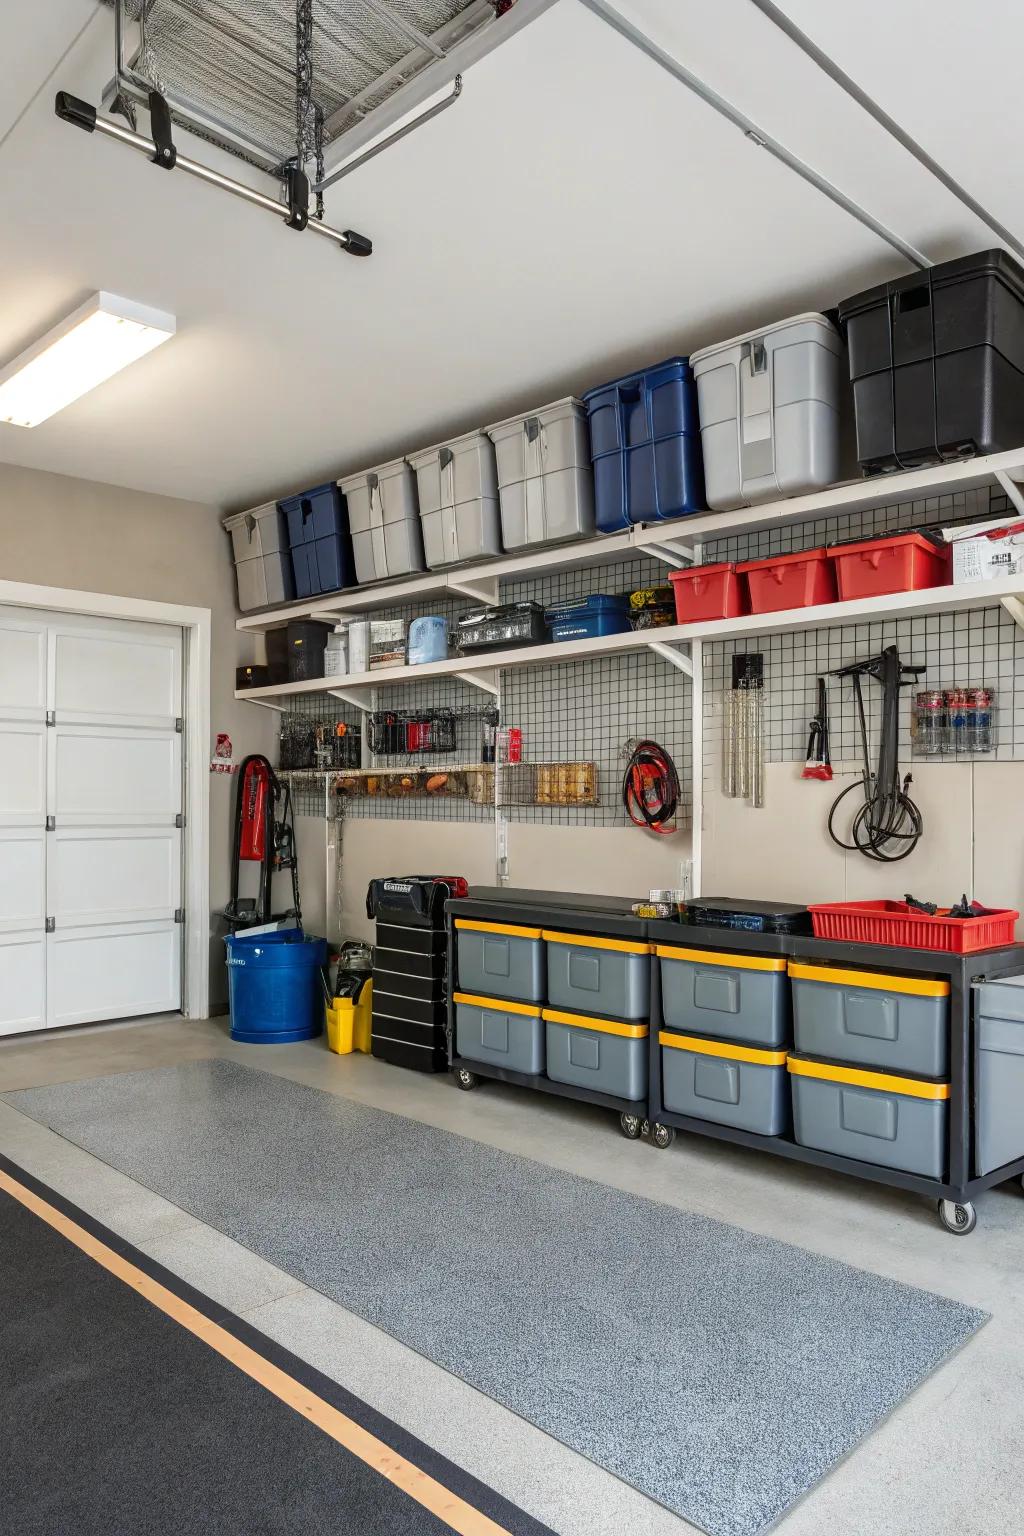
[895,922]
[800,580]
[709,592]
[903,562]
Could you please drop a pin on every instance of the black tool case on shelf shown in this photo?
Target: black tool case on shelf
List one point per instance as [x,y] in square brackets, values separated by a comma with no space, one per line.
[937,363]
[747,916]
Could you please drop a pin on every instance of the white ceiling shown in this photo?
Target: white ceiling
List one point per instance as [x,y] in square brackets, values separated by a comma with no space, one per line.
[577,213]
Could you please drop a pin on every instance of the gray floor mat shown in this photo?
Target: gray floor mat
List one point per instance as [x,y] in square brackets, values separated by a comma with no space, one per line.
[720,1372]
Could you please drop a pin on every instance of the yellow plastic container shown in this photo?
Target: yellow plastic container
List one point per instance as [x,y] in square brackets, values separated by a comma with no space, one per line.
[349,1023]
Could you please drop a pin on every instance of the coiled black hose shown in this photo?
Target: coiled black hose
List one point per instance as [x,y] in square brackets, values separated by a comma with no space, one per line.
[650,787]
[888,815]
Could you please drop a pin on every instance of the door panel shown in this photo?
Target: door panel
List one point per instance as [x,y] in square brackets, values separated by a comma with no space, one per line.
[112,972]
[121,875]
[22,880]
[110,775]
[128,674]
[22,982]
[22,774]
[22,667]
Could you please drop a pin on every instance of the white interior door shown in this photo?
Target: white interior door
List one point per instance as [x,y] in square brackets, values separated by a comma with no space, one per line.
[90,817]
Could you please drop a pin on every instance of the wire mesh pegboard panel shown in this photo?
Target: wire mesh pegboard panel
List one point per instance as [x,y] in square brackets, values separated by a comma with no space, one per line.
[588,711]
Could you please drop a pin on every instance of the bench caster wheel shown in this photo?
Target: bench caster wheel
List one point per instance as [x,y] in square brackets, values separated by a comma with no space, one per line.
[466,1079]
[662,1136]
[631,1127]
[958,1219]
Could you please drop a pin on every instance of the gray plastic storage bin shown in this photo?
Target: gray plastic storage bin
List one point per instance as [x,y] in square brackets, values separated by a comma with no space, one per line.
[896,1122]
[730,1084]
[769,407]
[383,516]
[599,975]
[999,1098]
[505,1034]
[500,960]
[734,997]
[457,484]
[601,1054]
[899,1023]
[545,482]
[263,569]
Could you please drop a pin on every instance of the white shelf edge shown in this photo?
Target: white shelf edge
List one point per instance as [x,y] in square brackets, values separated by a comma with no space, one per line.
[854,495]
[897,605]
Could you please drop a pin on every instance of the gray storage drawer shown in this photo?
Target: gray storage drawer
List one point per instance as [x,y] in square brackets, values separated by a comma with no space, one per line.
[599,975]
[500,960]
[601,1054]
[899,1023]
[896,1122]
[457,486]
[383,515]
[503,1033]
[999,1109]
[263,569]
[731,1084]
[731,996]
[545,481]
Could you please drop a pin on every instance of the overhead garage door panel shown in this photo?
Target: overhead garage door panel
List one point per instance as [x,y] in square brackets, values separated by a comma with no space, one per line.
[22,669]
[110,973]
[22,982]
[114,876]
[117,677]
[23,775]
[23,887]
[114,775]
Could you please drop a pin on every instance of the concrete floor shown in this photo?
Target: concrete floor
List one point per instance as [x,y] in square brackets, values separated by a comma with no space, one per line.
[947,1461]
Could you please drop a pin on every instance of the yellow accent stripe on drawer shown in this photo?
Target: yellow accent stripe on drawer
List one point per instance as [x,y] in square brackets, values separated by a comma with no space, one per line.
[588,941]
[509,928]
[912,1087]
[532,1010]
[603,1026]
[874,981]
[715,957]
[722,1048]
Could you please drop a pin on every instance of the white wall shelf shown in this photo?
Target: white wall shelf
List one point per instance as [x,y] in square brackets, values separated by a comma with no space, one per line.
[671,542]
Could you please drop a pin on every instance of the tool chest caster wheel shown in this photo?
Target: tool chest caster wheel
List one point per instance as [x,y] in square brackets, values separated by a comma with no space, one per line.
[631,1126]
[466,1079]
[959,1219]
[662,1135]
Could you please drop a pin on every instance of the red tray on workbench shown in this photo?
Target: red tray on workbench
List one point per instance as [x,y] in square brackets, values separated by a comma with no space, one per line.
[895,922]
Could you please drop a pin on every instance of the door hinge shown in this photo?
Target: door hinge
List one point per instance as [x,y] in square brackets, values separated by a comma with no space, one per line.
[179,820]
[51,925]
[51,717]
[179,724]
[179,914]
[51,823]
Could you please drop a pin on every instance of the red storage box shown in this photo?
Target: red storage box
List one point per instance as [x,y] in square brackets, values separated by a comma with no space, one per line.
[895,922]
[801,580]
[708,592]
[903,562]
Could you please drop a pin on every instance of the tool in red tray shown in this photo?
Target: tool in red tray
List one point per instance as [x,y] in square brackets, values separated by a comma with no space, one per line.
[819,764]
[650,787]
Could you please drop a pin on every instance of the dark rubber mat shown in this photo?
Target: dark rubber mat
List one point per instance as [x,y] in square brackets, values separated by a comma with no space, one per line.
[115,1420]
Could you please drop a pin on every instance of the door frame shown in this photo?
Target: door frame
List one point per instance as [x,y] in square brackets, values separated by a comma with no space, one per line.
[196,627]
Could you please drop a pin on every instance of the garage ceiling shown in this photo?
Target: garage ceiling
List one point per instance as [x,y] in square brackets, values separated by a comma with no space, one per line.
[578,212]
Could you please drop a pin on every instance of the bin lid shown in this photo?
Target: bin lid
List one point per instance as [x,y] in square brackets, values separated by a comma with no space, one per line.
[798,557]
[811,318]
[995,263]
[422,457]
[736,959]
[556,411]
[650,377]
[602,1026]
[860,1077]
[871,981]
[236,519]
[359,478]
[726,1050]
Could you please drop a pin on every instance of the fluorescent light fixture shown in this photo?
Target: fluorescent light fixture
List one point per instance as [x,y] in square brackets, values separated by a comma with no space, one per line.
[101,337]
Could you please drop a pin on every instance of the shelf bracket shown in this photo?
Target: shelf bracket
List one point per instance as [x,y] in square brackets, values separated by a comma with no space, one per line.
[482,591]
[672,656]
[672,553]
[1013,493]
[486,681]
[1015,608]
[266,704]
[349,696]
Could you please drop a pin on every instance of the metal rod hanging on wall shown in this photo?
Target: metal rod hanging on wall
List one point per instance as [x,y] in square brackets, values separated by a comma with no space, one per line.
[71,109]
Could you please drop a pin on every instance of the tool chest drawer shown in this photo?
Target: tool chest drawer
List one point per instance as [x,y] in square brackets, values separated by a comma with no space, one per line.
[731,1084]
[898,1023]
[500,960]
[606,1055]
[732,996]
[596,974]
[503,1033]
[876,1117]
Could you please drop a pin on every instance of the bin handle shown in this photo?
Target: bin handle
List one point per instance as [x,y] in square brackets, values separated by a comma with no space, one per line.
[307,510]
[757,352]
[872,557]
[250,525]
[906,299]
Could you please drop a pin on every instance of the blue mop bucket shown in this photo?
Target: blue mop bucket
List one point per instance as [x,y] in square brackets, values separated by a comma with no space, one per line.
[274,986]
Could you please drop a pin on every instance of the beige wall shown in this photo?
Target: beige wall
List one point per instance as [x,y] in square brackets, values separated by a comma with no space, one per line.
[60,532]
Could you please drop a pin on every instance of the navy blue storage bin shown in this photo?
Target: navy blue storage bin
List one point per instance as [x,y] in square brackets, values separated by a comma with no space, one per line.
[319,540]
[645,446]
[601,614]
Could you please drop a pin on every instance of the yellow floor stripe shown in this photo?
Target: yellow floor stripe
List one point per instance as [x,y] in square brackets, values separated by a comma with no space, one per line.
[419,1485]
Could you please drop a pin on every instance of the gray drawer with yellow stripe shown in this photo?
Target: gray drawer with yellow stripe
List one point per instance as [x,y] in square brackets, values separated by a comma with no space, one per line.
[730,996]
[606,1055]
[718,1080]
[502,1033]
[500,960]
[873,1019]
[875,1117]
[595,974]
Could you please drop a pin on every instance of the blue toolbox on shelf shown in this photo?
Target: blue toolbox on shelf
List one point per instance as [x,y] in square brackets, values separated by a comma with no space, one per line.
[506,1034]
[585,618]
[604,1055]
[319,540]
[645,446]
